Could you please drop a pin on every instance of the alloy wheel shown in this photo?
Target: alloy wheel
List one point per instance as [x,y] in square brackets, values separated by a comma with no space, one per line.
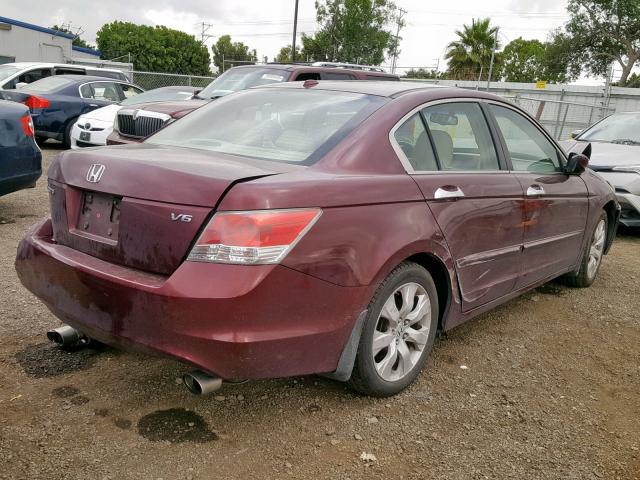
[596,249]
[402,331]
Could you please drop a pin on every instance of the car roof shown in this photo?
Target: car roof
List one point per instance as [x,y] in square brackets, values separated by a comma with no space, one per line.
[23,65]
[294,66]
[365,87]
[90,78]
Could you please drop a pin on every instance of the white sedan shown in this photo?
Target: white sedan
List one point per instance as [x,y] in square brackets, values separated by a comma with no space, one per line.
[93,128]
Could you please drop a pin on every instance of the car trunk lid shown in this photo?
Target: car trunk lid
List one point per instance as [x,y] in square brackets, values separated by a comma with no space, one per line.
[142,206]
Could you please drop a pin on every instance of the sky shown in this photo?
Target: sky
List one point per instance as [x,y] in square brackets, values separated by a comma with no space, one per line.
[266,25]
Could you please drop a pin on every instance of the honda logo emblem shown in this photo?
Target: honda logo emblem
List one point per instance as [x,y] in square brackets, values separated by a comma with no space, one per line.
[95,173]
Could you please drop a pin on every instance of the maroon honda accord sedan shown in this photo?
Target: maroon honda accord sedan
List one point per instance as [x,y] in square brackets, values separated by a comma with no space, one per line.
[317,228]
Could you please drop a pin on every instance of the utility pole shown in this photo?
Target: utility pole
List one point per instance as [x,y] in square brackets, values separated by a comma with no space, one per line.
[295,31]
[396,46]
[204,36]
[493,56]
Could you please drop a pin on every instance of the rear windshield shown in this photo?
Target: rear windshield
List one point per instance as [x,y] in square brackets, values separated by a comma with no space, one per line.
[7,70]
[48,84]
[242,78]
[160,95]
[106,74]
[286,125]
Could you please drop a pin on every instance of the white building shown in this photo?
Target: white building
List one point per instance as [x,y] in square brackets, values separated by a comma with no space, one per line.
[25,42]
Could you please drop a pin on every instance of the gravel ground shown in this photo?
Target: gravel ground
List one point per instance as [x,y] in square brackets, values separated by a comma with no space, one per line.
[550,389]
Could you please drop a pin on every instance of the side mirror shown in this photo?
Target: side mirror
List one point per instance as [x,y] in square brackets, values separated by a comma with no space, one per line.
[577,163]
[575,133]
[20,85]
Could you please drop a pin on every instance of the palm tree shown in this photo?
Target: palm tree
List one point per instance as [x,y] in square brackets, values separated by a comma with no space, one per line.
[469,56]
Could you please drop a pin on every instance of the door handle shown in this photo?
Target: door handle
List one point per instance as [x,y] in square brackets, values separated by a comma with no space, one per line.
[535,190]
[448,191]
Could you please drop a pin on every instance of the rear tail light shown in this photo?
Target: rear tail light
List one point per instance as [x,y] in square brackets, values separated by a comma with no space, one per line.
[253,237]
[27,125]
[34,102]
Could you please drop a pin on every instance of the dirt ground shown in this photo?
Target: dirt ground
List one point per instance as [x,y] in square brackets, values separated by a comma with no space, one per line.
[551,390]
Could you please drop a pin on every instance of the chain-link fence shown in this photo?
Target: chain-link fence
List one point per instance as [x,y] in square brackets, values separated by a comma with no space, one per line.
[560,118]
[150,80]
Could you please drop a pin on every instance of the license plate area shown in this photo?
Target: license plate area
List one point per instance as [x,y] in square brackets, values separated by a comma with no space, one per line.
[85,136]
[99,216]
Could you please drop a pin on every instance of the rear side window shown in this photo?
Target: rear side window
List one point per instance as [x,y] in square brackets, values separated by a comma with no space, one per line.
[413,139]
[34,75]
[106,91]
[129,91]
[70,71]
[382,78]
[529,149]
[461,137]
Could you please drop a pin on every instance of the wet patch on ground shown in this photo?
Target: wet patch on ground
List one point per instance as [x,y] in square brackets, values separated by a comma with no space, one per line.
[47,360]
[176,425]
[65,391]
[551,289]
[79,400]
[122,423]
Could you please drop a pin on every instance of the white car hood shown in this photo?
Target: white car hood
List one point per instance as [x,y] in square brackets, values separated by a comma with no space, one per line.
[606,154]
[105,114]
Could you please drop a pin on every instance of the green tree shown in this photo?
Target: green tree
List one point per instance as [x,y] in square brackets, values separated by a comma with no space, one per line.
[284,56]
[470,54]
[523,61]
[424,73]
[77,41]
[225,51]
[154,49]
[352,31]
[604,32]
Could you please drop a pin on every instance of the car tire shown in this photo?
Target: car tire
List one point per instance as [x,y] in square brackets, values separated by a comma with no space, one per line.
[66,138]
[382,371]
[591,258]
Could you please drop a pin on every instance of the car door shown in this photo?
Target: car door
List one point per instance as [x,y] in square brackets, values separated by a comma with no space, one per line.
[555,205]
[450,152]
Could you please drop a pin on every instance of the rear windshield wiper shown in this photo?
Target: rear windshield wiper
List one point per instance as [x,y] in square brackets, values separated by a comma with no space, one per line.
[625,141]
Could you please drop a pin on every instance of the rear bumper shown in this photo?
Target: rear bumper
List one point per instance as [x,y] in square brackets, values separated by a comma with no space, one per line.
[233,321]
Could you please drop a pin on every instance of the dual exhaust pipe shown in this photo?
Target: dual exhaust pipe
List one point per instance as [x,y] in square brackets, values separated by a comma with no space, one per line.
[197,382]
[68,337]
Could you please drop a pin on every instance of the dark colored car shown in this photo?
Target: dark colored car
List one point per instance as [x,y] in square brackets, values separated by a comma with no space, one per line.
[315,228]
[57,102]
[20,157]
[135,124]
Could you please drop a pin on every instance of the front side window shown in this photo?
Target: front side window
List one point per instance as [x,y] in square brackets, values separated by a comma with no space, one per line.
[337,76]
[286,125]
[413,139]
[461,137]
[529,149]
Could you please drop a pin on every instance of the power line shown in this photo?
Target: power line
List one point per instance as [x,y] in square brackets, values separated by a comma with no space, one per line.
[204,36]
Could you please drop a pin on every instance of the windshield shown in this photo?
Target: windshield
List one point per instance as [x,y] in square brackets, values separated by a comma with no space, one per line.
[242,78]
[48,84]
[7,70]
[286,125]
[160,95]
[618,128]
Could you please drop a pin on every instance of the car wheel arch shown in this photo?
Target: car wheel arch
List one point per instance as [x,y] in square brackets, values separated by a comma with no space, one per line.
[437,261]
[611,209]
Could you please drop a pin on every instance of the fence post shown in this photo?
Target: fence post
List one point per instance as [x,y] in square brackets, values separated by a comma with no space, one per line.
[555,131]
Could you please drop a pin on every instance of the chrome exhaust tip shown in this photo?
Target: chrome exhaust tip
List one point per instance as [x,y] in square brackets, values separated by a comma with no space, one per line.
[67,336]
[201,383]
